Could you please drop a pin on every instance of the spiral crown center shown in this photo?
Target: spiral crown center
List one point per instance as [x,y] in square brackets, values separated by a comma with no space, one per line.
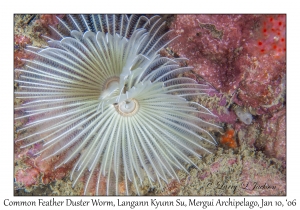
[127,108]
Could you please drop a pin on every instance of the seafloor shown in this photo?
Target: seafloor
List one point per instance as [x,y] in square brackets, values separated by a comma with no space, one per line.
[244,58]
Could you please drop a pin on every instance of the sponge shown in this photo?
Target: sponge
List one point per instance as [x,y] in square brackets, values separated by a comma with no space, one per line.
[243,115]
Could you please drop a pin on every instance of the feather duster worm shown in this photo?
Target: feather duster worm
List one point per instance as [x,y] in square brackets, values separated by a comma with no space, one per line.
[102,95]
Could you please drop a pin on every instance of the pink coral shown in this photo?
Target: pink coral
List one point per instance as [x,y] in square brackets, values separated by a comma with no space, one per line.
[256,182]
[18,56]
[27,177]
[37,171]
[36,166]
[211,43]
[274,135]
[227,117]
[249,175]
[261,84]
[226,51]
[20,42]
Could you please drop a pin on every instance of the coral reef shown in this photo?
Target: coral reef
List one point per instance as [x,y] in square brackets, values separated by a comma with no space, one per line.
[244,58]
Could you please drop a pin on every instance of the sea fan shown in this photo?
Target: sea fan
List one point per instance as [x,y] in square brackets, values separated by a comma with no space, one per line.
[102,95]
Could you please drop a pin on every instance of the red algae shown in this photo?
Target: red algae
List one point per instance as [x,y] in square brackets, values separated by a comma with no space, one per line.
[225,51]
